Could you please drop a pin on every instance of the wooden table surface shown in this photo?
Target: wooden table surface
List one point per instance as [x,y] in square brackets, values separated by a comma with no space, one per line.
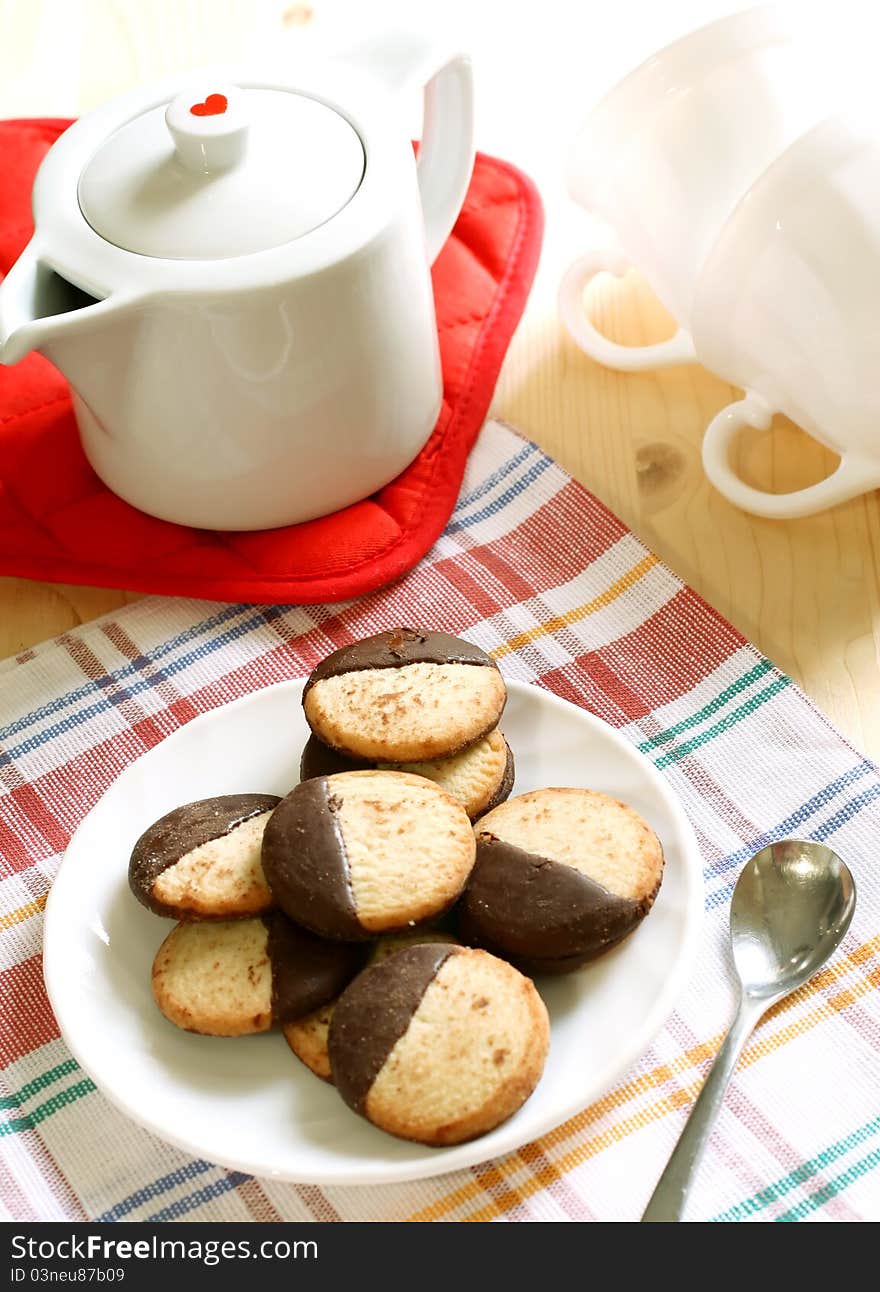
[805,592]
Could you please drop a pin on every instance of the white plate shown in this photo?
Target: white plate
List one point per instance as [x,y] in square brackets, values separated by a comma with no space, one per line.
[248,1103]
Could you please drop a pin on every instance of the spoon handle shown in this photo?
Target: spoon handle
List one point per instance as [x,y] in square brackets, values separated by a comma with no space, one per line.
[670,1196]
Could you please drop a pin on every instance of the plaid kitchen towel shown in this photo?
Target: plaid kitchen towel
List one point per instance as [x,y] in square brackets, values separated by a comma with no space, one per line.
[538,572]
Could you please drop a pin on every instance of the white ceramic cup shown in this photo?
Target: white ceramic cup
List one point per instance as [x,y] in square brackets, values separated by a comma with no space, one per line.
[668,153]
[788,308]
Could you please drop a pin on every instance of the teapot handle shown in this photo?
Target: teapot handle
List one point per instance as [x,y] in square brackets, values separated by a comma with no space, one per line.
[410,60]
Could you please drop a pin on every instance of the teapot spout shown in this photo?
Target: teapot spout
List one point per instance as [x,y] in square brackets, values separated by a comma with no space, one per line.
[38,304]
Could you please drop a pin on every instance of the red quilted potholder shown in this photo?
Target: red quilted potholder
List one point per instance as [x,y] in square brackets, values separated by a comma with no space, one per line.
[58,521]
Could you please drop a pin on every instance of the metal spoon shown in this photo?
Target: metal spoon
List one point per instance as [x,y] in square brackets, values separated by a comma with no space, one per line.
[791,906]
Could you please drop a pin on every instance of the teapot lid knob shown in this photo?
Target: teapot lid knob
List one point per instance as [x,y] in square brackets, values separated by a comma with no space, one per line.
[199,178]
[210,134]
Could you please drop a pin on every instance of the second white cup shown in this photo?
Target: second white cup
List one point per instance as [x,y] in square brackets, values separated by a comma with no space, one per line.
[666,156]
[788,308]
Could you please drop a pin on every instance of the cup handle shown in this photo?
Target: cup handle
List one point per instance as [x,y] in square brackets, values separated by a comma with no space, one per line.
[852,477]
[627,358]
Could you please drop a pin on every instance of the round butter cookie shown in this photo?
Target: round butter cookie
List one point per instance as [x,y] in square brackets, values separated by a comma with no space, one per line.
[307,1037]
[231,978]
[438,1043]
[362,853]
[404,696]
[202,861]
[562,875]
[480,777]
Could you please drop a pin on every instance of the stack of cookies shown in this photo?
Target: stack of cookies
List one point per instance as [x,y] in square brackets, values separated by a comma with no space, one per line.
[424,703]
[389,912]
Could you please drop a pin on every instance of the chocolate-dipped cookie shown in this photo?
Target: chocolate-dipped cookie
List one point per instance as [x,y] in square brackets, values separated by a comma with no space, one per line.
[438,1043]
[307,1037]
[202,861]
[404,696]
[232,978]
[562,875]
[362,853]
[480,777]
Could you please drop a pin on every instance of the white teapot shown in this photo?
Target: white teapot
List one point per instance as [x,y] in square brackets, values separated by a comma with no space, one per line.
[233,273]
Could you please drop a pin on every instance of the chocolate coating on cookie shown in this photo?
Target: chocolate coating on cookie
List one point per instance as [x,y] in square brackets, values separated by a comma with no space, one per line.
[534,910]
[319,759]
[373,1013]
[307,971]
[505,786]
[554,967]
[305,862]
[178,832]
[397,648]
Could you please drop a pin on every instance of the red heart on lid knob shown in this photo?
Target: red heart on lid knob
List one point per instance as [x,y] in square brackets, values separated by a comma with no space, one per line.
[213,106]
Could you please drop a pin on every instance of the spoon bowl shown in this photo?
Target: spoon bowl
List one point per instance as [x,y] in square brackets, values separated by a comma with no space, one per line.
[792,904]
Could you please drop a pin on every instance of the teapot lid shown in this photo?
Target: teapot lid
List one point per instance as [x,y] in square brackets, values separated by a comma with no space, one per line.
[221,171]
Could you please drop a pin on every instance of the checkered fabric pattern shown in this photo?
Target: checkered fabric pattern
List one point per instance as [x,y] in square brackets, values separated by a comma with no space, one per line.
[538,572]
